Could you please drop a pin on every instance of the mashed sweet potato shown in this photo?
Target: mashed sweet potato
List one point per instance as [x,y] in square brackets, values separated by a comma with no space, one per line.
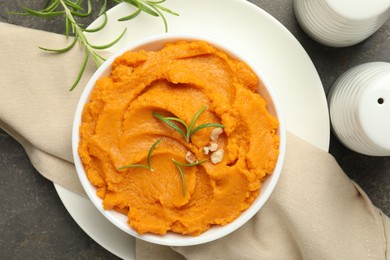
[118,128]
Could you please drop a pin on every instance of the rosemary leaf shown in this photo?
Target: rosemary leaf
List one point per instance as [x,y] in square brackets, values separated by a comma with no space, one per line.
[98,59]
[168,121]
[149,166]
[150,153]
[75,6]
[162,17]
[43,14]
[102,47]
[183,180]
[189,164]
[103,8]
[68,24]
[162,8]
[131,16]
[196,116]
[159,9]
[51,6]
[100,27]
[70,46]
[143,7]
[80,74]
[156,2]
[193,131]
[193,122]
[48,3]
[88,13]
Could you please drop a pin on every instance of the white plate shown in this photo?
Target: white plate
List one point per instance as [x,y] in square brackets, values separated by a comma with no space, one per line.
[273,49]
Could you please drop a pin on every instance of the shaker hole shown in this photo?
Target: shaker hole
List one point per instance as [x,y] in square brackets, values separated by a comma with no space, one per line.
[381,101]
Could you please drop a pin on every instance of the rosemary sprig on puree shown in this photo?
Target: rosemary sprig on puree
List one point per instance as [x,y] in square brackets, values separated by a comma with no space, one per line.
[72,9]
[149,166]
[189,129]
[187,134]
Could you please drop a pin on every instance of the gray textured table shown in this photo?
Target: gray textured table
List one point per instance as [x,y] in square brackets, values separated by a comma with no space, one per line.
[34,224]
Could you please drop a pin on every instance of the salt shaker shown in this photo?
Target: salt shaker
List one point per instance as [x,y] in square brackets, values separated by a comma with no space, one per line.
[341,23]
[359,108]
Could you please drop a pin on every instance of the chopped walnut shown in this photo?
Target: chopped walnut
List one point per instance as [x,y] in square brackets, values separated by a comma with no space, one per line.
[216,157]
[210,147]
[215,133]
[190,157]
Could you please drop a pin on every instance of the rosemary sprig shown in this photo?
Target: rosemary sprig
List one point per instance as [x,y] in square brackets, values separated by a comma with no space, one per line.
[189,129]
[149,166]
[72,9]
[179,165]
[151,7]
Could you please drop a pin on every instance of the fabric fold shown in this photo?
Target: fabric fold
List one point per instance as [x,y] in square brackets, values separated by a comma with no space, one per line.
[36,106]
[59,171]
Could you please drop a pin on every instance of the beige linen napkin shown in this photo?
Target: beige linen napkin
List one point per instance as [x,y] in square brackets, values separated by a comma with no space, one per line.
[315,212]
[36,107]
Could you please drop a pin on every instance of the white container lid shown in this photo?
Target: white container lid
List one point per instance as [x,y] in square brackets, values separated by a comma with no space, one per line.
[359,9]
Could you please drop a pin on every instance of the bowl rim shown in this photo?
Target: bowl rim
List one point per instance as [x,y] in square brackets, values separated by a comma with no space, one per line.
[216,231]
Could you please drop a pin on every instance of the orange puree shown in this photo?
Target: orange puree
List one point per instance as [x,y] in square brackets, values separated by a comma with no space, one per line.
[118,128]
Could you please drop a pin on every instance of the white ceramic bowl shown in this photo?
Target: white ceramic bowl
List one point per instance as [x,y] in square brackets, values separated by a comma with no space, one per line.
[172,239]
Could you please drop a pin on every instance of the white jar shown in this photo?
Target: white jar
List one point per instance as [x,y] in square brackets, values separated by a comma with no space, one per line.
[340,23]
[359,108]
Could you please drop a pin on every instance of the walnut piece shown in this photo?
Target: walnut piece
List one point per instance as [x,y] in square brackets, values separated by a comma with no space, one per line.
[215,133]
[210,147]
[216,157]
[190,157]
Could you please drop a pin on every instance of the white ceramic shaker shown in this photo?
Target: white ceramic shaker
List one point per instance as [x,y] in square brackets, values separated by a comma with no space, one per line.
[359,108]
[341,23]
